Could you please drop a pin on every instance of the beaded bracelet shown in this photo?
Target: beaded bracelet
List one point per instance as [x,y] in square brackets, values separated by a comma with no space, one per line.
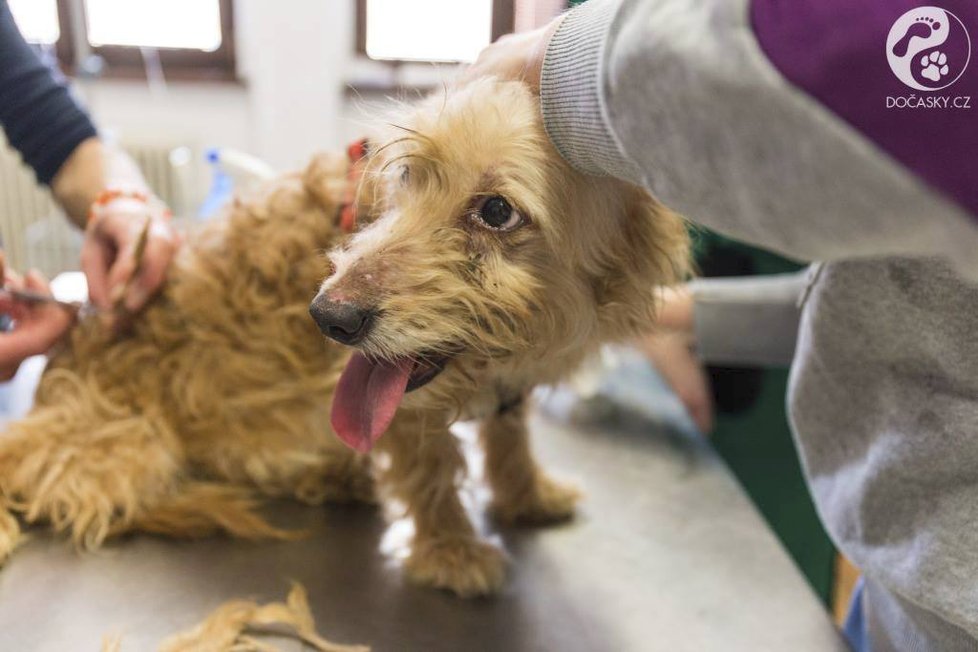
[109,195]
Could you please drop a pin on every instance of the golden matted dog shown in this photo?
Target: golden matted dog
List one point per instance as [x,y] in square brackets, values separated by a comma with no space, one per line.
[484,266]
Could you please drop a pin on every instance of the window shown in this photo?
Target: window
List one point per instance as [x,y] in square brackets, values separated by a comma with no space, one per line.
[188,39]
[187,24]
[37,20]
[430,30]
[444,30]
[427,30]
[530,14]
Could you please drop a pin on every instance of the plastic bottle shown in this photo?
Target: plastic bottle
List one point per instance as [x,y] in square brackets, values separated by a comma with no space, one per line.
[233,171]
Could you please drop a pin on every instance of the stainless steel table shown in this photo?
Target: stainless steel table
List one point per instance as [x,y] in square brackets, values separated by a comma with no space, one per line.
[667,554]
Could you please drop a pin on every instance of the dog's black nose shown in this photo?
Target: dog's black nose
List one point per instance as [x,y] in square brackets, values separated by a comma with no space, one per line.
[343,321]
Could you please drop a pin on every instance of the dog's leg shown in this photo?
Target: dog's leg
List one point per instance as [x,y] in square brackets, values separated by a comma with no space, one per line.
[425,466]
[340,477]
[100,479]
[195,510]
[9,533]
[280,455]
[85,467]
[522,491]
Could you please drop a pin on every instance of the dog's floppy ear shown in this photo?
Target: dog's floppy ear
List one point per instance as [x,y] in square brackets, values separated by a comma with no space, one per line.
[325,178]
[330,181]
[653,251]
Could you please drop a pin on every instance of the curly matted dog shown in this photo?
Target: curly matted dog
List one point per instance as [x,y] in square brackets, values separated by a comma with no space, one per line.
[484,265]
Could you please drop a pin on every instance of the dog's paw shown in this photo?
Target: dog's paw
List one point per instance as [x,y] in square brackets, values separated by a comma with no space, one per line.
[360,487]
[467,566]
[318,489]
[548,501]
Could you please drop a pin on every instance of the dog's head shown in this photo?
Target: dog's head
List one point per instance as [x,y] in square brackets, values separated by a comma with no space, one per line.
[488,265]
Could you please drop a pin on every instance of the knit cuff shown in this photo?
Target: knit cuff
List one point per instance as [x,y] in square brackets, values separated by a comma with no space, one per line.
[572,88]
[748,321]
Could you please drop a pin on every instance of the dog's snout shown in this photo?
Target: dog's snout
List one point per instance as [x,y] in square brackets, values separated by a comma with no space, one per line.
[343,321]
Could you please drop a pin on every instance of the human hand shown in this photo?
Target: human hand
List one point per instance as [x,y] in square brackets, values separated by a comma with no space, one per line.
[110,256]
[671,351]
[36,326]
[517,57]
[674,357]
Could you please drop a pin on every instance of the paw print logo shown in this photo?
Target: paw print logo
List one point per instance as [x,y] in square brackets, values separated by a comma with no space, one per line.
[934,67]
[928,48]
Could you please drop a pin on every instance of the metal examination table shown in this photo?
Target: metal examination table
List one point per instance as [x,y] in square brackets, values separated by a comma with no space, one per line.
[667,554]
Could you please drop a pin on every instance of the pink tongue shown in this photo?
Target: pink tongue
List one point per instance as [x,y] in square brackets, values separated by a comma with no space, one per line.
[366,399]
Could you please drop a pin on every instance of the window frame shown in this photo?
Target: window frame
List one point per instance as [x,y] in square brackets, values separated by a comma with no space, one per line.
[503,22]
[126,61]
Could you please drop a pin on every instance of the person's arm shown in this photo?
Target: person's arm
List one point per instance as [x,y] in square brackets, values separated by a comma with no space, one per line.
[93,171]
[764,121]
[736,321]
[749,320]
[40,118]
[56,138]
[93,166]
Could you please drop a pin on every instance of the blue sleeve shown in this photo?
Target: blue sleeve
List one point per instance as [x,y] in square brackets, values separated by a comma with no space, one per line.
[39,115]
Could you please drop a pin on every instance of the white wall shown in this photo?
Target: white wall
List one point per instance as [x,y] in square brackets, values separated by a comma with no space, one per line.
[295,58]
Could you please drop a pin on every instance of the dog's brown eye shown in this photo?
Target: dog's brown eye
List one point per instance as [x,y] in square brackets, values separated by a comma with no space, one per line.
[498,214]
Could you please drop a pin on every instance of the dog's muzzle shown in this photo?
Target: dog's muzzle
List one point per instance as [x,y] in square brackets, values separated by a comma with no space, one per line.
[342,321]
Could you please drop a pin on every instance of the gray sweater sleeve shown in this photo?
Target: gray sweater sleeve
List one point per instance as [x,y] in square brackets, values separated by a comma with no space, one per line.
[748,321]
[677,96]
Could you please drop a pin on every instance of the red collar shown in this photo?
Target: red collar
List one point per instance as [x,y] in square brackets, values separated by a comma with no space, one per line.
[357,153]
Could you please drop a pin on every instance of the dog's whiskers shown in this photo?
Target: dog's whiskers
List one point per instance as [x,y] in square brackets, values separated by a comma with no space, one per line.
[416,134]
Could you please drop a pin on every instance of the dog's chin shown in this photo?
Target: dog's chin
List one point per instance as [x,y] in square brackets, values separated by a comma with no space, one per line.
[426,369]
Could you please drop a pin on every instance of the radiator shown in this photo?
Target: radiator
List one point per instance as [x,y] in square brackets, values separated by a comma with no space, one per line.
[34,232]
[22,202]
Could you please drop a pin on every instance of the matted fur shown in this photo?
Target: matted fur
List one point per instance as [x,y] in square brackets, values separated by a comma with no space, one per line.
[237,626]
[225,383]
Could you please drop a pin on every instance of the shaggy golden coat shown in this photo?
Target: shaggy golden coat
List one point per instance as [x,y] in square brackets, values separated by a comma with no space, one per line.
[224,385]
